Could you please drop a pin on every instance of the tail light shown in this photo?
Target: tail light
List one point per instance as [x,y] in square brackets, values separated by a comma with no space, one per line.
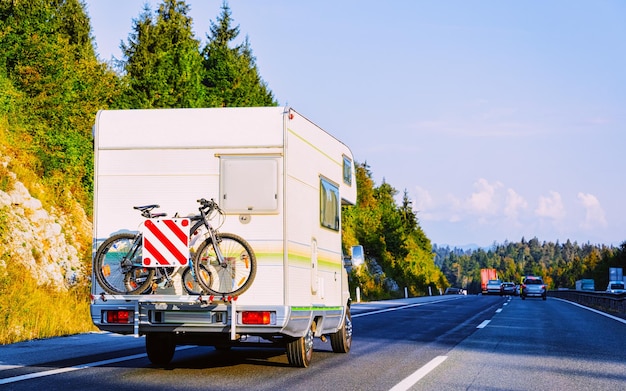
[118,316]
[256,317]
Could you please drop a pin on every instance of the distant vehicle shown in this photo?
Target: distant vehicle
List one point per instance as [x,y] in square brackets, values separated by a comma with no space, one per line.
[533,286]
[586,284]
[616,274]
[508,288]
[615,287]
[485,276]
[455,291]
[494,287]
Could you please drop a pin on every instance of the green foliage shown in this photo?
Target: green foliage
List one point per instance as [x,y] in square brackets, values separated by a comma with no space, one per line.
[561,265]
[47,55]
[163,62]
[231,76]
[392,238]
[164,66]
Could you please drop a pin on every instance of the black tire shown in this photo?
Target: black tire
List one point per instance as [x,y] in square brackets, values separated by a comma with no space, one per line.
[523,297]
[160,348]
[191,283]
[341,341]
[300,350]
[113,277]
[235,275]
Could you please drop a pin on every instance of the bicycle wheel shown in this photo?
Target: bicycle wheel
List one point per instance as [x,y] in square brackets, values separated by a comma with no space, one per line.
[234,275]
[190,282]
[117,265]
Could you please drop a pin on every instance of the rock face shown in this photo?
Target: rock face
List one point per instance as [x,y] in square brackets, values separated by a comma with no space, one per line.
[38,240]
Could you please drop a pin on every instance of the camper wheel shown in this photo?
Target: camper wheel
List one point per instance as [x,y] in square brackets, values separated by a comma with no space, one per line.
[300,350]
[160,348]
[342,339]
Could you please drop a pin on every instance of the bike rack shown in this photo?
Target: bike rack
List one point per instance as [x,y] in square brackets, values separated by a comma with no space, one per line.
[233,319]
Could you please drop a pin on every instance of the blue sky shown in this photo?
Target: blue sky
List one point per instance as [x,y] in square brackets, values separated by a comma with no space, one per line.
[501,119]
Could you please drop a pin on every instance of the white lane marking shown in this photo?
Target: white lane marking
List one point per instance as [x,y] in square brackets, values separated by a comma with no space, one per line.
[593,310]
[84,366]
[399,308]
[6,367]
[409,381]
[483,324]
[498,310]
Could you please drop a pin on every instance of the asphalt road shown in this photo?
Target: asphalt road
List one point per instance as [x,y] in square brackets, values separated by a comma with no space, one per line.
[431,343]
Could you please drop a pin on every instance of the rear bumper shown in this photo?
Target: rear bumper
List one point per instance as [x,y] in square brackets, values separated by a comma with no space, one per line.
[534,294]
[191,319]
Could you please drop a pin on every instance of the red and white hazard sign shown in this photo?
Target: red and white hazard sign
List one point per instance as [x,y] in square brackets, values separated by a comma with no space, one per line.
[165,242]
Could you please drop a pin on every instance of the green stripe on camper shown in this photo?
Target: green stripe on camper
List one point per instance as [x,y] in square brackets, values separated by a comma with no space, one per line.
[317,308]
[314,147]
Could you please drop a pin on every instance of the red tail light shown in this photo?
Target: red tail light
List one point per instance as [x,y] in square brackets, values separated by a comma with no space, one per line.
[118,316]
[256,317]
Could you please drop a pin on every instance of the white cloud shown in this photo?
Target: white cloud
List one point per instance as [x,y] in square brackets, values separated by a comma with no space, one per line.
[484,199]
[594,214]
[514,203]
[551,206]
[423,200]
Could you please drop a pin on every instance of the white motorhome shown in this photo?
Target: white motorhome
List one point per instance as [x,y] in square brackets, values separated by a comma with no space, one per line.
[281,181]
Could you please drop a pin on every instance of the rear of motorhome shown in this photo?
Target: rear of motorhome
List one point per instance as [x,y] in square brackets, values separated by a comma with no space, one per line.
[281,181]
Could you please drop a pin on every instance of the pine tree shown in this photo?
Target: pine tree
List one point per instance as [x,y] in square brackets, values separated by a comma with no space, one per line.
[231,76]
[163,65]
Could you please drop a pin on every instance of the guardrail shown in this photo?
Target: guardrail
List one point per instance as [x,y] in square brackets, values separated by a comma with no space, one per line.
[614,303]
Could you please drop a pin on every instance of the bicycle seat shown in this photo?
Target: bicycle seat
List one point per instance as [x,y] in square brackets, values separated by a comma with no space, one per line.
[146,211]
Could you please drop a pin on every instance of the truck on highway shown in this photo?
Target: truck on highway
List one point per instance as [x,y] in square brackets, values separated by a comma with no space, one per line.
[616,274]
[281,181]
[586,284]
[485,276]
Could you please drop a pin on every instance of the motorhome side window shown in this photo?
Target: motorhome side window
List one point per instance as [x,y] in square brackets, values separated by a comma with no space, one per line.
[329,205]
[347,170]
[249,184]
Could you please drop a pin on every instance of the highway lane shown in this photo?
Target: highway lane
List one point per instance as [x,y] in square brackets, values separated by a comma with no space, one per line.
[393,340]
[537,345]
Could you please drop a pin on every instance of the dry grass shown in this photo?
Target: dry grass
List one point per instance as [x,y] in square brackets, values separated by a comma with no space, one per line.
[29,311]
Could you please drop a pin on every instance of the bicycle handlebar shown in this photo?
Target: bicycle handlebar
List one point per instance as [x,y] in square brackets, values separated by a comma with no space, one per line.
[210,205]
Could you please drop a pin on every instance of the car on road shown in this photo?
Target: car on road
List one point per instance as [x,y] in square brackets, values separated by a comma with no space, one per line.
[494,287]
[616,287]
[508,288]
[533,286]
[455,291]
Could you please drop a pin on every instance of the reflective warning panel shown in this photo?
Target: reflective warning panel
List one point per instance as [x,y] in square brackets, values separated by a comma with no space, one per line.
[165,242]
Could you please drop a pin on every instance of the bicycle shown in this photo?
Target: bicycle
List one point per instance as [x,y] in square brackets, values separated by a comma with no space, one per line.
[119,269]
[224,264]
[118,261]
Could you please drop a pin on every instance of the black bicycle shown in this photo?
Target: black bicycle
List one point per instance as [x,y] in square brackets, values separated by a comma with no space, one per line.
[119,269]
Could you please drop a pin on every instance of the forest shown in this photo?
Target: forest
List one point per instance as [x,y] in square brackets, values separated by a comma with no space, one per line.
[52,84]
[559,264]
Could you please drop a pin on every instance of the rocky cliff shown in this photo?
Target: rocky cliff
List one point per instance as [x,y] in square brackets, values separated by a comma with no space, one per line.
[51,244]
